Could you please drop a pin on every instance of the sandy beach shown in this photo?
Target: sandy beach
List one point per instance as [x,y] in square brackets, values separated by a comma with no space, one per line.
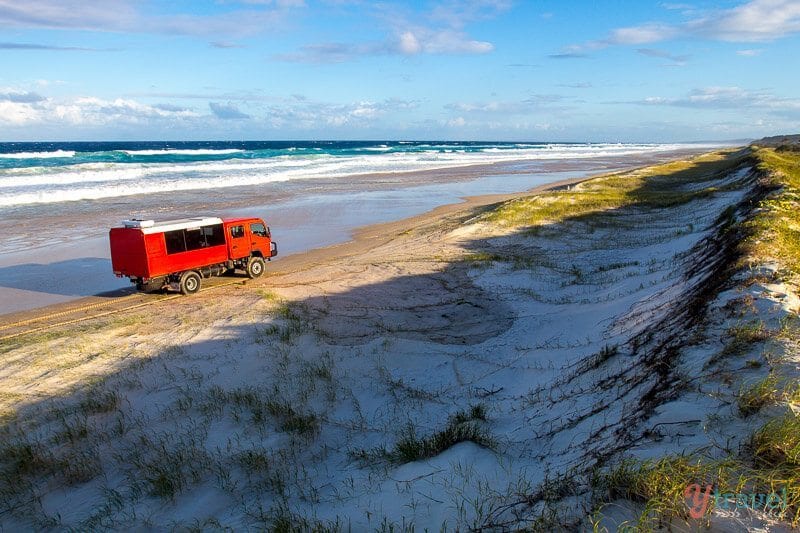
[469,368]
[57,253]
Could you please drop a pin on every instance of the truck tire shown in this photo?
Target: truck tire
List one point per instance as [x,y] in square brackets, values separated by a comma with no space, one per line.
[255,267]
[190,282]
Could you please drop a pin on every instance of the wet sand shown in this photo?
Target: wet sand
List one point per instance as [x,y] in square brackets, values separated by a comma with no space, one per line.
[74,262]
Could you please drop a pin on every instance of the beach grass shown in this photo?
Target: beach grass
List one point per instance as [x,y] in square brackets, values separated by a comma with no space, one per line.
[773,233]
[659,186]
[770,462]
[462,426]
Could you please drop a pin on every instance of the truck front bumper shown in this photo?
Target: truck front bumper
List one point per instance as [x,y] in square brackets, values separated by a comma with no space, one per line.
[273,249]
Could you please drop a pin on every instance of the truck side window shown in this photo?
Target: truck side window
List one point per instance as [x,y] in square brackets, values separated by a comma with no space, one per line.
[237,231]
[174,241]
[194,239]
[215,235]
[259,229]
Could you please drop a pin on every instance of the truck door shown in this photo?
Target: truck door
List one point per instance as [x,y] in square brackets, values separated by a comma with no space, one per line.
[259,238]
[238,243]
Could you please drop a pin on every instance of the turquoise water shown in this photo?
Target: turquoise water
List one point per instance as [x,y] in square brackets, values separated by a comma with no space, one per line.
[55,173]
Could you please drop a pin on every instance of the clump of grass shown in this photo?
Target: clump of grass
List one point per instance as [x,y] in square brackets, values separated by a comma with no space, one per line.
[21,459]
[80,466]
[268,295]
[615,266]
[99,401]
[743,336]
[482,257]
[281,520]
[660,485]
[758,395]
[475,412]
[293,323]
[28,339]
[169,466]
[261,409]
[410,447]
[462,426]
[254,460]
[778,443]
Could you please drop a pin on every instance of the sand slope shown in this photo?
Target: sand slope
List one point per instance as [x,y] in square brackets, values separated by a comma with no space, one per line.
[303,398]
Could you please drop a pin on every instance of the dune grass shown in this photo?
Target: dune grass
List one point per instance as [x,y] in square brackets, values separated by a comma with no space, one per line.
[463,426]
[770,460]
[657,186]
[773,233]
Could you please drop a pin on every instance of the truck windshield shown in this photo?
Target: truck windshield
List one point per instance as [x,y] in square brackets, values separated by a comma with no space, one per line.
[259,230]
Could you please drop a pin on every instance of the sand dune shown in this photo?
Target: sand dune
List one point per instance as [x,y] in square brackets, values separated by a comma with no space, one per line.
[460,369]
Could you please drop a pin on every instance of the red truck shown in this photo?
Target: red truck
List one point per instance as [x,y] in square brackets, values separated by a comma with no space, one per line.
[177,254]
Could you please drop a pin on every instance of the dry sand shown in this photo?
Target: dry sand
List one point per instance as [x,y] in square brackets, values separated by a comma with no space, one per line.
[289,398]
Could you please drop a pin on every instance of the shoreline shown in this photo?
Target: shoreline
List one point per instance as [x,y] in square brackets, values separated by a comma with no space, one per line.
[363,239]
[360,236]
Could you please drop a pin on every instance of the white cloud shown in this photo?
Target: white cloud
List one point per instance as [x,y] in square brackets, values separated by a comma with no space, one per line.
[227,112]
[74,14]
[16,114]
[648,33]
[535,104]
[453,42]
[758,20]
[409,44]
[458,13]
[437,32]
[86,112]
[731,98]
[20,97]
[127,16]
[754,21]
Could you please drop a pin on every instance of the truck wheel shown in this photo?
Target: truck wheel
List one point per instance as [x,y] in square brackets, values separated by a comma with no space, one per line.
[190,282]
[255,267]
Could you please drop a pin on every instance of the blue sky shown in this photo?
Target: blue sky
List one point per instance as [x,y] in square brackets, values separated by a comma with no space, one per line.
[535,70]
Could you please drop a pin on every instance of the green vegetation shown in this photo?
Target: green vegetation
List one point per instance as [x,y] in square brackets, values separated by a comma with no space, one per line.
[774,230]
[778,443]
[291,323]
[743,336]
[757,396]
[771,461]
[463,426]
[658,186]
[660,485]
[262,407]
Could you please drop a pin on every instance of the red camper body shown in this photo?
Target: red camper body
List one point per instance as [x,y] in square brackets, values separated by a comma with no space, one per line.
[179,253]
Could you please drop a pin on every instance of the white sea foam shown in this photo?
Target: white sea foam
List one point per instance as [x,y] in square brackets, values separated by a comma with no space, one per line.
[92,181]
[171,151]
[38,155]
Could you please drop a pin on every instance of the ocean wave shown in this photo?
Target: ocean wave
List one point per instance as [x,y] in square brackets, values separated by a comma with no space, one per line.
[93,181]
[174,151]
[39,155]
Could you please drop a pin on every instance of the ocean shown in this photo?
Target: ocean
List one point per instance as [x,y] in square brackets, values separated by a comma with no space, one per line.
[53,173]
[62,192]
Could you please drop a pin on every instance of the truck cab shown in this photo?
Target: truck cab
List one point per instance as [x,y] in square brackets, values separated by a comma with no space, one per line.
[248,236]
[179,253]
